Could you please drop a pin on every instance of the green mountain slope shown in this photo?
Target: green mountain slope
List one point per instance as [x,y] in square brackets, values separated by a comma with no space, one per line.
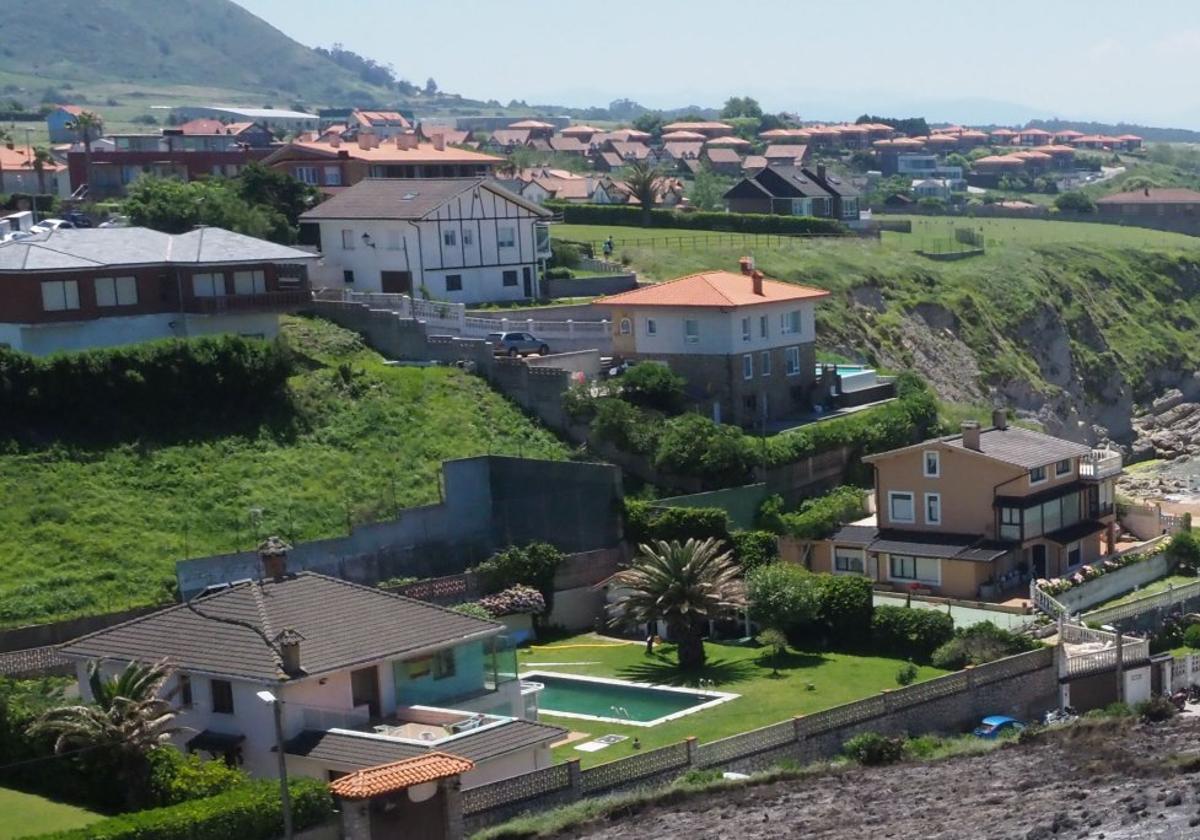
[214,43]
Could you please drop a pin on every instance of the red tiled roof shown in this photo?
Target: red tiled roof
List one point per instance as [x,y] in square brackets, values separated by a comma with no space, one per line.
[678,136]
[1068,132]
[776,133]
[1034,132]
[19,158]
[399,775]
[530,124]
[698,126]
[579,129]
[385,117]
[1004,132]
[728,141]
[387,152]
[203,126]
[721,154]
[714,289]
[1129,137]
[73,110]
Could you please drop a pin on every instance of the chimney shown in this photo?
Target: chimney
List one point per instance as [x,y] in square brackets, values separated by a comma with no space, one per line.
[406,141]
[273,552]
[820,172]
[970,434]
[756,277]
[288,641]
[439,141]
[364,140]
[747,264]
[999,419]
[335,141]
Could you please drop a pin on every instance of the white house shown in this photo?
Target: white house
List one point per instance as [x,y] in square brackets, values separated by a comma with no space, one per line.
[744,343]
[465,240]
[364,677]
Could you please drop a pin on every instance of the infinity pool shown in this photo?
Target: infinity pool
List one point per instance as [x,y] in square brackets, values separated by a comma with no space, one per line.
[617,701]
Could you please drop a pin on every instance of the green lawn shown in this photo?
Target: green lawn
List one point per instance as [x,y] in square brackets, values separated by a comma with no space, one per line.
[1152,588]
[937,233]
[25,815]
[836,678]
[84,532]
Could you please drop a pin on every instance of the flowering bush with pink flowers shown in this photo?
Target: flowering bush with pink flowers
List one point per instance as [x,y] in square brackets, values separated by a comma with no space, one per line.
[1059,585]
[515,600]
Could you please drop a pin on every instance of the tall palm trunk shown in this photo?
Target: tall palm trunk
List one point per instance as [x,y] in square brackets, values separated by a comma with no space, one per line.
[688,635]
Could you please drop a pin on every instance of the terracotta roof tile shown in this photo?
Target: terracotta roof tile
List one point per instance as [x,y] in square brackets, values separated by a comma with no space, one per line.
[682,136]
[719,289]
[399,775]
[531,125]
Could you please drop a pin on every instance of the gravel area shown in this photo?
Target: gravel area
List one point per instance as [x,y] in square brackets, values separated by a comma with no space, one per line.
[1112,780]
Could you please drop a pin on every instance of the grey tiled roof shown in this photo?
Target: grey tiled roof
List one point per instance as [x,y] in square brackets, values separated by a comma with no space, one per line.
[921,543]
[115,247]
[1023,447]
[357,751]
[342,624]
[406,198]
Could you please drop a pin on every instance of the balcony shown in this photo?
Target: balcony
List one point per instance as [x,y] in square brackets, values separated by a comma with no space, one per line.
[262,302]
[1100,464]
[541,236]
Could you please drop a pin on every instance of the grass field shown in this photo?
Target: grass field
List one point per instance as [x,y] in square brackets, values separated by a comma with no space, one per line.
[26,815]
[91,531]
[1152,588]
[937,231]
[835,678]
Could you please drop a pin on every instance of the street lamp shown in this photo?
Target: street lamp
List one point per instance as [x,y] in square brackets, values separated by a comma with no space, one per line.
[284,796]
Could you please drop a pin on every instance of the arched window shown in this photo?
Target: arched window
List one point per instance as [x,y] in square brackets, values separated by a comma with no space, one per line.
[626,326]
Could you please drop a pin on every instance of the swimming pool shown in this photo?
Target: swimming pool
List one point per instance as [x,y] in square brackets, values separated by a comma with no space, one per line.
[618,701]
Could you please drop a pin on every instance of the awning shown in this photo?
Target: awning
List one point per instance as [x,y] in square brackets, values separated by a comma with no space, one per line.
[1076,532]
[215,742]
[1048,495]
[922,544]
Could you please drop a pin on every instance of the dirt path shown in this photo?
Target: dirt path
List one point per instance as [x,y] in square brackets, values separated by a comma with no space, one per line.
[1114,782]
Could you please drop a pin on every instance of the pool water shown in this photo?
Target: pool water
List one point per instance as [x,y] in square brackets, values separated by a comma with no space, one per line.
[614,700]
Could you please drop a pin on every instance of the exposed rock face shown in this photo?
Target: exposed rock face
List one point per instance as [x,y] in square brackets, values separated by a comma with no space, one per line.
[1170,428]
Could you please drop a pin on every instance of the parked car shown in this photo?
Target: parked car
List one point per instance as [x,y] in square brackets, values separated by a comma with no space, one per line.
[47,225]
[517,344]
[997,726]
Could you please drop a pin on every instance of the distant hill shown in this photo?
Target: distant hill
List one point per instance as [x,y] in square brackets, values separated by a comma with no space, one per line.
[208,43]
[1146,132]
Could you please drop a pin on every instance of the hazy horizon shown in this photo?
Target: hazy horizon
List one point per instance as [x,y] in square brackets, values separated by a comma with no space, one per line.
[1096,61]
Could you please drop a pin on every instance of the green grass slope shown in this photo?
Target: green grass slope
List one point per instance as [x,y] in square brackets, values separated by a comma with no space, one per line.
[216,43]
[84,532]
[27,815]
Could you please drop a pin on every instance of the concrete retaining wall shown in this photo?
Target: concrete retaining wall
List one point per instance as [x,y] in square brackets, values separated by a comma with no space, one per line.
[1109,586]
[591,286]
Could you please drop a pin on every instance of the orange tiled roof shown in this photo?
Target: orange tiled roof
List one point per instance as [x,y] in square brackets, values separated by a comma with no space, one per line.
[677,136]
[715,289]
[19,158]
[709,125]
[399,775]
[387,152]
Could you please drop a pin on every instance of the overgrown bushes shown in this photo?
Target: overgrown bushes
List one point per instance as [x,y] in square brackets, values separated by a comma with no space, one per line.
[693,445]
[532,565]
[622,215]
[144,389]
[653,386]
[816,518]
[249,812]
[645,523]
[754,548]
[845,604]
[979,644]
[782,597]
[872,749]
[910,633]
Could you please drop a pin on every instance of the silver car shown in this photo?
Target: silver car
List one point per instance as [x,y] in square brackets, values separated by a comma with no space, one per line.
[517,344]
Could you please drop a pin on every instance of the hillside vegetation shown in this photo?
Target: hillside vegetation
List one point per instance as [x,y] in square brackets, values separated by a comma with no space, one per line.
[216,43]
[91,529]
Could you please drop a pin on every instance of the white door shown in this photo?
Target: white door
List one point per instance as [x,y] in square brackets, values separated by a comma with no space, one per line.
[716,412]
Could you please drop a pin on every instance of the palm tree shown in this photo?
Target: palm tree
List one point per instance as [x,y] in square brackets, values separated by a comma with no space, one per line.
[126,721]
[644,183]
[684,584]
[87,127]
[41,157]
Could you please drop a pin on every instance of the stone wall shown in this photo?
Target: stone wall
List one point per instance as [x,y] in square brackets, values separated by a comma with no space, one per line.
[590,286]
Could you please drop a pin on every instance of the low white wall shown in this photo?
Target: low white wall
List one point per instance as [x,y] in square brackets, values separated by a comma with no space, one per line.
[1143,521]
[586,362]
[1113,584]
[577,609]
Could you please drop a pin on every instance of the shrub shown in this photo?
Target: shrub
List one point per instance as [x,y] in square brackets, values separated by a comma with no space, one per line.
[645,523]
[1191,636]
[516,600]
[911,633]
[175,777]
[1184,552]
[978,644]
[622,215]
[579,404]
[693,445]
[475,610]
[781,597]
[1112,710]
[249,812]
[624,426]
[907,674]
[872,749]
[815,519]
[753,549]
[653,386]
[845,606]
[532,565]
[559,274]
[563,255]
[1155,710]
[1076,202]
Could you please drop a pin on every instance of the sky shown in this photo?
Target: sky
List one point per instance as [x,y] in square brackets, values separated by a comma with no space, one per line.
[966,61]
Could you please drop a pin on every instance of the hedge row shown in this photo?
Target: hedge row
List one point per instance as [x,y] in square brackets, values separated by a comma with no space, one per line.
[645,523]
[251,812]
[626,216]
[174,384]
[912,633]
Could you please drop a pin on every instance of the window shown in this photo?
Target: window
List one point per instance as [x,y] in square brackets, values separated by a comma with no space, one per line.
[626,326]
[762,326]
[900,506]
[347,276]
[333,176]
[789,322]
[1063,467]
[1033,522]
[510,278]
[933,464]
[307,174]
[347,239]
[185,691]
[222,697]
[419,668]
[691,331]
[208,285]
[792,360]
[443,664]
[453,282]
[746,329]
[1010,523]
[506,237]
[249,282]
[60,295]
[116,291]
[933,508]
[922,569]
[449,238]
[393,240]
[651,327]
[1037,475]
[764,362]
[748,366]
[848,560]
[468,236]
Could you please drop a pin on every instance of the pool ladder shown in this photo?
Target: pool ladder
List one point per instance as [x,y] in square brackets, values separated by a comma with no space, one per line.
[621,711]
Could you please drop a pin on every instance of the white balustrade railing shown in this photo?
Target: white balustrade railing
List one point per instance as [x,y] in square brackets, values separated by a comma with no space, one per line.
[1101,463]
